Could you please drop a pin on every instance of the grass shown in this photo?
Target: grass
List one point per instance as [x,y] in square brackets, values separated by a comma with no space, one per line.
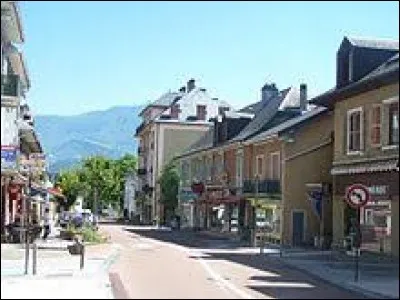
[88,234]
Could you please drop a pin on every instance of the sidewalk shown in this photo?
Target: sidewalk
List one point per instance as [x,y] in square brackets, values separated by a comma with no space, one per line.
[58,273]
[378,277]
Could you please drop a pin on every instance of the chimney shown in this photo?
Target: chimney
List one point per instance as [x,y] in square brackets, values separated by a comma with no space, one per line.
[190,85]
[182,89]
[268,91]
[303,97]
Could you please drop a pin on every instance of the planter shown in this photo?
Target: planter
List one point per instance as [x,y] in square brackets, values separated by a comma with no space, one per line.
[75,249]
[67,235]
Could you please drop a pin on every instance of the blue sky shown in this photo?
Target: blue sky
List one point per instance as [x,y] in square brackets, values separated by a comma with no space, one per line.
[85,56]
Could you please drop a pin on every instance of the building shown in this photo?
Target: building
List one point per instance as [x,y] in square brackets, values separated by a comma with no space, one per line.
[22,163]
[220,165]
[170,124]
[292,161]
[365,103]
[131,209]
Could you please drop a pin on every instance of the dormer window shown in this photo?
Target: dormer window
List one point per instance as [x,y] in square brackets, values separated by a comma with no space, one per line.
[201,112]
[175,110]
[222,109]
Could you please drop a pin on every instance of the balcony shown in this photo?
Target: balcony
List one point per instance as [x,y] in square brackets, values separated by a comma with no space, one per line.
[265,186]
[10,85]
[142,171]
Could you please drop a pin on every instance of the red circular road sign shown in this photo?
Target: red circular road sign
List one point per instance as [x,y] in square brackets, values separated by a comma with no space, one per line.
[357,195]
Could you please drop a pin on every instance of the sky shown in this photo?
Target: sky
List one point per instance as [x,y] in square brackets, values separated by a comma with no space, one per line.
[87,56]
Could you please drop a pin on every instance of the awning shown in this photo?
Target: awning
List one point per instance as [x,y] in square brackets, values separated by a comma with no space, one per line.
[38,189]
[368,167]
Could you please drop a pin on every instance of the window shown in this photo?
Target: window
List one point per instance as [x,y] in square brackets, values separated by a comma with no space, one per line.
[239,169]
[394,123]
[222,109]
[376,125]
[275,166]
[259,165]
[201,112]
[175,110]
[354,130]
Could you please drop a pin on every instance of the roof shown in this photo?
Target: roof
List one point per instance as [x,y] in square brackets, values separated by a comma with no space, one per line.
[252,108]
[268,111]
[164,101]
[238,114]
[385,74]
[288,124]
[374,43]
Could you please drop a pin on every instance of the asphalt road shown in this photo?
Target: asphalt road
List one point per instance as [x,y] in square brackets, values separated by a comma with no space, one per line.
[160,264]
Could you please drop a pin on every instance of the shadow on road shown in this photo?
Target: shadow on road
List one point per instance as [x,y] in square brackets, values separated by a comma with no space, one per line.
[188,238]
[281,281]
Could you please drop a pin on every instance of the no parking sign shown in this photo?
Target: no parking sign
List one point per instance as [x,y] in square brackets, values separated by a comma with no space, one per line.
[357,195]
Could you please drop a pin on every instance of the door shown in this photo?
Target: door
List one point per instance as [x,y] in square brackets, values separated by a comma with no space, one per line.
[297,228]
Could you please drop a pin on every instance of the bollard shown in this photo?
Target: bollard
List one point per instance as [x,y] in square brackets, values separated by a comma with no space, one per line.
[26,236]
[34,258]
[82,264]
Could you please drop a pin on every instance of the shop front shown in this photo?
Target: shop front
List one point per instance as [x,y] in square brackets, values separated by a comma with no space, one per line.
[218,210]
[379,218]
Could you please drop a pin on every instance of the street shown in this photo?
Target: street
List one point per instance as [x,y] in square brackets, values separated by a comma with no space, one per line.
[158,263]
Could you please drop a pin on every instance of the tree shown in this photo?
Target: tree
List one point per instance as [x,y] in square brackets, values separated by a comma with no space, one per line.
[71,185]
[99,179]
[169,184]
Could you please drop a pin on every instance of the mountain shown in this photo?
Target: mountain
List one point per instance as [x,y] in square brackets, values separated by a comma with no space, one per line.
[68,139]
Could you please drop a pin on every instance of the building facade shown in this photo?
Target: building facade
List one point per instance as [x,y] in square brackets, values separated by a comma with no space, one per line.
[170,125]
[366,126]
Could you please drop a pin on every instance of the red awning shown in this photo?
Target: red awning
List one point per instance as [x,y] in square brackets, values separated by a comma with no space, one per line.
[56,192]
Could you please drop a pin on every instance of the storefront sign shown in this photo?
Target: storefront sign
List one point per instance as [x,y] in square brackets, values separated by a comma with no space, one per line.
[8,158]
[378,190]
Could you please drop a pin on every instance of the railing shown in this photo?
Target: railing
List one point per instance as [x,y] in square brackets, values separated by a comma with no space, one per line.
[10,85]
[266,186]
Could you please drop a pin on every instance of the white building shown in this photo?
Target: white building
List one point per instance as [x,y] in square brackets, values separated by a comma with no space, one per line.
[131,186]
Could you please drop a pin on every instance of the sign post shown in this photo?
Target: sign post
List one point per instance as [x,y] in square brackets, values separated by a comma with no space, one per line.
[357,195]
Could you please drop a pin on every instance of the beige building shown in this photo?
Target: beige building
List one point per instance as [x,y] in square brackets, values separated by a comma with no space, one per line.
[292,162]
[170,124]
[365,103]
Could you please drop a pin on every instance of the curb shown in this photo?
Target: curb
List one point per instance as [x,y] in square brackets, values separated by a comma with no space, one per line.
[342,285]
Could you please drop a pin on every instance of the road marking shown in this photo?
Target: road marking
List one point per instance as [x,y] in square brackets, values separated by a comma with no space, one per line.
[222,282]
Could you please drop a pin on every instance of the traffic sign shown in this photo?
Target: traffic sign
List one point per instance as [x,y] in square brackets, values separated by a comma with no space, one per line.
[357,195]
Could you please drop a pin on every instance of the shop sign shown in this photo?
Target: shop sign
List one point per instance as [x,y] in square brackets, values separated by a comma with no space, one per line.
[378,190]
[8,158]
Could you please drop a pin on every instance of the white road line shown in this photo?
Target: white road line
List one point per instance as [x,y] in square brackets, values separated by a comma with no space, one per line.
[222,282]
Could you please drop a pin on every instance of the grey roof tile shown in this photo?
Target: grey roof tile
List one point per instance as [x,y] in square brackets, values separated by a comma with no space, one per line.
[267,112]
[374,43]
[287,124]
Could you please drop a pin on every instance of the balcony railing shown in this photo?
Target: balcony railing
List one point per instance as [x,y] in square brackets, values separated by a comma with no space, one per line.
[265,186]
[10,85]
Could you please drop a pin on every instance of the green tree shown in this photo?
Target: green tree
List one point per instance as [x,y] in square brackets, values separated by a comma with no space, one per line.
[71,184]
[99,179]
[169,184]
